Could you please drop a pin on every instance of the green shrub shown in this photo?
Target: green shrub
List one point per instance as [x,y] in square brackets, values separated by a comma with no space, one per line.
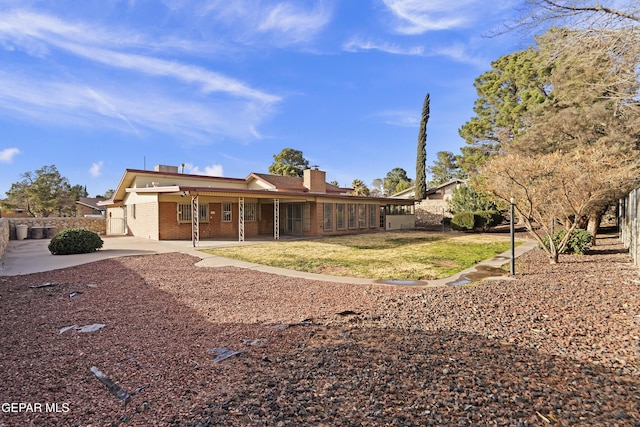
[463,221]
[579,242]
[469,221]
[75,241]
[487,219]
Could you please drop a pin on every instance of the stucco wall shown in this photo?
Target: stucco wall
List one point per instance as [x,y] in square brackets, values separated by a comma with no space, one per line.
[400,222]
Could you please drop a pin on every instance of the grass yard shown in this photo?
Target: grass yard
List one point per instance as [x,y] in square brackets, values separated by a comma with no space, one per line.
[401,255]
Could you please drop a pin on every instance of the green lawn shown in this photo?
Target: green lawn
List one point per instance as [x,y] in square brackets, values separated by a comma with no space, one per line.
[402,255]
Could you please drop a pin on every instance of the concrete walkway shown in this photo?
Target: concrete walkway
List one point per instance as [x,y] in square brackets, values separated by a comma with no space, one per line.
[33,256]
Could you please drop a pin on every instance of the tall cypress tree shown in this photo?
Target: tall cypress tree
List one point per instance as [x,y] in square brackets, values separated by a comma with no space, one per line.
[421,160]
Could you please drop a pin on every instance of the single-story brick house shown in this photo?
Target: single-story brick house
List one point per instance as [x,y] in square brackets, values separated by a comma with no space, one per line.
[160,205]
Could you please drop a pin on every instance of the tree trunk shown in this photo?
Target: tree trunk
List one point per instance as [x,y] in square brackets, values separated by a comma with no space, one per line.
[593,225]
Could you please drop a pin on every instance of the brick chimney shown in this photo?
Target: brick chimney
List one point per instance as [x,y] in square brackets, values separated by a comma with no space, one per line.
[315,180]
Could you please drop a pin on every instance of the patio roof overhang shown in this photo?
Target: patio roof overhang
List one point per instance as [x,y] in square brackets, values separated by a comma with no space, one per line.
[181,190]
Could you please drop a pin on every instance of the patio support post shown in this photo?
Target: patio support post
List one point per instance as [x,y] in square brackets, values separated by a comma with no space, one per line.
[241,219]
[276,219]
[195,220]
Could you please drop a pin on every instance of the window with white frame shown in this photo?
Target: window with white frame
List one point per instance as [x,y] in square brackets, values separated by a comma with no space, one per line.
[184,212]
[340,211]
[372,216]
[362,216]
[226,212]
[328,216]
[353,213]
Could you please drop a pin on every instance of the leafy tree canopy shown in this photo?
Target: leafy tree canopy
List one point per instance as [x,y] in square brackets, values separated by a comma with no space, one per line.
[289,162]
[578,150]
[43,193]
[516,84]
[396,181]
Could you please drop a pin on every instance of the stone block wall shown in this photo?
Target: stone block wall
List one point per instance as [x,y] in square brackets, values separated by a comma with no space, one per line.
[429,212]
[4,235]
[97,225]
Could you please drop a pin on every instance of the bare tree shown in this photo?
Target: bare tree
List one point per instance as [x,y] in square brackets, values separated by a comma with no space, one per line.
[541,15]
[560,187]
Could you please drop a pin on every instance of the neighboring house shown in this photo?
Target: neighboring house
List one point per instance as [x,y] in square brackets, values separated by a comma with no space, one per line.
[434,207]
[13,213]
[88,206]
[166,205]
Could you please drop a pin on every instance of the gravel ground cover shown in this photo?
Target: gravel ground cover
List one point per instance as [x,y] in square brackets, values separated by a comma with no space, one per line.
[560,345]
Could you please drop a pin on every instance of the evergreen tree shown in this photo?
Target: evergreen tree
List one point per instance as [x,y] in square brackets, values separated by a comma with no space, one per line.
[289,162]
[359,188]
[421,160]
[445,168]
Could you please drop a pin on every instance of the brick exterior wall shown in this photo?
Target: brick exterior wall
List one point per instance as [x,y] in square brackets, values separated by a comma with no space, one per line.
[171,229]
[317,209]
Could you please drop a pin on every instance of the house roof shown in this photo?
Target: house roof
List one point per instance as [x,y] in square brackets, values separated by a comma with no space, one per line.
[281,182]
[145,181]
[410,192]
[91,202]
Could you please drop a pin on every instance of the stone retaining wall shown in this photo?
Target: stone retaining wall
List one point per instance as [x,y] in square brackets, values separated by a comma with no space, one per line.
[429,212]
[8,227]
[4,235]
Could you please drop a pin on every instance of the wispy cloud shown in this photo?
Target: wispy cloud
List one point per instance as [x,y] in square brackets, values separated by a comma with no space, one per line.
[7,154]
[419,16]
[457,52]
[196,102]
[356,44]
[96,169]
[402,118]
[66,104]
[212,170]
[274,23]
[31,29]
[296,23]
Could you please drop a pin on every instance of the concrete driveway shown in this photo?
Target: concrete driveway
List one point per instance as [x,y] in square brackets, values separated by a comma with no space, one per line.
[33,256]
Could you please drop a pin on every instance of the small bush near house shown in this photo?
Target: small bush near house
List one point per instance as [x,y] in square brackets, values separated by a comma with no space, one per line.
[75,241]
[469,221]
[487,219]
[463,221]
[579,242]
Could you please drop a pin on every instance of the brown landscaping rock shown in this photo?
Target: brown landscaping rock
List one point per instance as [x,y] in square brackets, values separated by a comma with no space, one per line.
[560,345]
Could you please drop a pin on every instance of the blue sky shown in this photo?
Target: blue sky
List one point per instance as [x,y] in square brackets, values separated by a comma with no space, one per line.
[98,86]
